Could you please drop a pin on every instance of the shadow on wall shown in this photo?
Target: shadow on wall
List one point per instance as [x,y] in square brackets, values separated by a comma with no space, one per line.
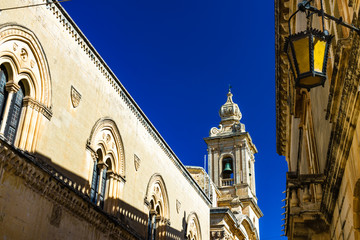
[124,212]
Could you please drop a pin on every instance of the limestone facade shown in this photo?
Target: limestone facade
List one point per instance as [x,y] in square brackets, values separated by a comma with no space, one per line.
[318,131]
[78,157]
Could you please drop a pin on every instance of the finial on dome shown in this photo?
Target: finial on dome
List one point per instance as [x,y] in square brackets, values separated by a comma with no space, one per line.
[229,95]
[230,110]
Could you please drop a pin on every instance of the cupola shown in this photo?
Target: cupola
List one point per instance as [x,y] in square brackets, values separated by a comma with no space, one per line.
[230,112]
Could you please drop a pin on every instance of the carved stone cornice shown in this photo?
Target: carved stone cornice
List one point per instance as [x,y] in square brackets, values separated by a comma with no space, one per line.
[281,74]
[61,190]
[41,108]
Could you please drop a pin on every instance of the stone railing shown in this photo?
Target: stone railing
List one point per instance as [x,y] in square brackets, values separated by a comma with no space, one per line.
[304,190]
[303,201]
[227,182]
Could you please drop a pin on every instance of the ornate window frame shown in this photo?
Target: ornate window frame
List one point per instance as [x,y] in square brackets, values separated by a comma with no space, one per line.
[193,230]
[22,55]
[106,155]
[157,202]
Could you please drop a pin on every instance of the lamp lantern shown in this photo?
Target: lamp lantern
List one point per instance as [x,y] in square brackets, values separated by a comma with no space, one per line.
[307,52]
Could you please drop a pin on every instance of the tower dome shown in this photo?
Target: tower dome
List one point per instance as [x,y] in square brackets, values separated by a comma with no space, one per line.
[230,119]
[230,112]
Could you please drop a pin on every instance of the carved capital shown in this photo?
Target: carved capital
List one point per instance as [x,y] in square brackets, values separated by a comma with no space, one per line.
[12,87]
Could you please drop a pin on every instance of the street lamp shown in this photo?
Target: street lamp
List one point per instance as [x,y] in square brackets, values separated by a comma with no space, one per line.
[308,50]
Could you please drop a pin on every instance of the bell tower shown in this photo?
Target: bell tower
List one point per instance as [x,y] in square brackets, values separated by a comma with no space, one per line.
[231,163]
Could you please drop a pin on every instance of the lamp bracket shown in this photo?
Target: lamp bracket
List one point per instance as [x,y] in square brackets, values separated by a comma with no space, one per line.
[305,6]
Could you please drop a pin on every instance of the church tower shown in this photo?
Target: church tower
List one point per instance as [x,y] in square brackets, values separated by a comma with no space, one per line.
[231,163]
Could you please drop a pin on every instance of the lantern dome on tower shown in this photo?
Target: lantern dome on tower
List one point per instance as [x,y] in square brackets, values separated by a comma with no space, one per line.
[230,111]
[230,119]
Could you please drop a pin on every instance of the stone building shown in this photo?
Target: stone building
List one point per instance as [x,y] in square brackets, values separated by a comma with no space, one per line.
[72,169]
[231,181]
[318,131]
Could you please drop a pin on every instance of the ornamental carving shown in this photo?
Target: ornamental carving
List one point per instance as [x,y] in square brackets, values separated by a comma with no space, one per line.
[62,191]
[75,97]
[216,131]
[23,54]
[15,46]
[178,206]
[137,162]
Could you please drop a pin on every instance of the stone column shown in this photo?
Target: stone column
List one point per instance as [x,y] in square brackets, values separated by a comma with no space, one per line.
[245,167]
[11,88]
[238,166]
[252,184]
[25,120]
[216,167]
[210,164]
[110,196]
[101,166]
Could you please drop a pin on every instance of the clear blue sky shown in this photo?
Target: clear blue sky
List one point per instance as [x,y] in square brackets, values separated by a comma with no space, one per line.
[177,58]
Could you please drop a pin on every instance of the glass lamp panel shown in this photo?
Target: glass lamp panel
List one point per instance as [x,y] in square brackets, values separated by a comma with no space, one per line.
[319,54]
[291,59]
[301,47]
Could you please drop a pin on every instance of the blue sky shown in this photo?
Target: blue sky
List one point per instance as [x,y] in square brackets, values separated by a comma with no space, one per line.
[177,58]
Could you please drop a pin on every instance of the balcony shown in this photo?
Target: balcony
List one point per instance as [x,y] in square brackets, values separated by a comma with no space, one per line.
[227,182]
[303,200]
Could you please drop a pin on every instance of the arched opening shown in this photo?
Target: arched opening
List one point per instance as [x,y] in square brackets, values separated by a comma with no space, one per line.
[105,152]
[11,102]
[193,231]
[227,171]
[158,204]
[25,87]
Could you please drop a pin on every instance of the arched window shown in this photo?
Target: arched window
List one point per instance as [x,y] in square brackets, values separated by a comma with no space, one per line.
[158,203]
[14,114]
[100,179]
[11,101]
[153,216]
[106,165]
[227,171]
[193,231]
[25,87]
[3,93]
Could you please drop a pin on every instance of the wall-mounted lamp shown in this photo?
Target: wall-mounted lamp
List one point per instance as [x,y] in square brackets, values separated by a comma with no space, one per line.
[308,50]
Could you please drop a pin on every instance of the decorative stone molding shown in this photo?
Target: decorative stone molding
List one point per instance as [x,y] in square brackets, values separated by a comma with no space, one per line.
[24,54]
[281,73]
[62,191]
[137,162]
[106,132]
[156,192]
[178,205]
[214,235]
[17,35]
[193,230]
[12,87]
[28,101]
[75,97]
